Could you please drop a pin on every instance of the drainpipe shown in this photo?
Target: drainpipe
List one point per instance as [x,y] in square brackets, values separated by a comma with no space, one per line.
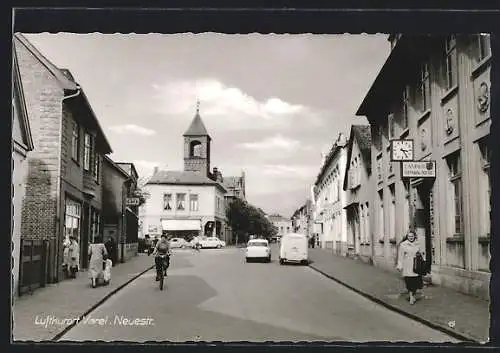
[55,271]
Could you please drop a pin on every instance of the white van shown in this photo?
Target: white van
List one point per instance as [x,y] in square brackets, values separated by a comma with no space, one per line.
[294,248]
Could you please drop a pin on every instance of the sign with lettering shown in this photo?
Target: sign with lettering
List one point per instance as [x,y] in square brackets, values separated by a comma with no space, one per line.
[422,169]
[132,201]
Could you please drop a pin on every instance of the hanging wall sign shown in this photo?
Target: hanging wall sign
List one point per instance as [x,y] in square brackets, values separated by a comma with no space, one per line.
[421,169]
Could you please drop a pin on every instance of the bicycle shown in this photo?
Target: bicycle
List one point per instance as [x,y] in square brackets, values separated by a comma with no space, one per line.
[163,272]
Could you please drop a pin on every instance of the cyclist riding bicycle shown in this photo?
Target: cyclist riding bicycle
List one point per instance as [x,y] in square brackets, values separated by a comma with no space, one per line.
[162,248]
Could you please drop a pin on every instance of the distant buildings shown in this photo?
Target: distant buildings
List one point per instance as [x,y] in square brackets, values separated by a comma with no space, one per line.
[283,225]
[191,202]
[301,219]
[329,214]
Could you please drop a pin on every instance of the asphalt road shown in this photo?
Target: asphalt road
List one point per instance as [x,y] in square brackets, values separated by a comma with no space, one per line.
[215,296]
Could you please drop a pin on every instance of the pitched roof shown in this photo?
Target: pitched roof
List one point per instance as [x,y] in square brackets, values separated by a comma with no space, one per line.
[363,136]
[171,177]
[197,128]
[19,92]
[65,82]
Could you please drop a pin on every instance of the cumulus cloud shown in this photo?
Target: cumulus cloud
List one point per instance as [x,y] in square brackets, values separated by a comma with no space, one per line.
[277,142]
[131,129]
[225,107]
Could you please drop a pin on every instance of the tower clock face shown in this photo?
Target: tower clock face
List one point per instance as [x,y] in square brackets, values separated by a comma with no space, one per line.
[402,150]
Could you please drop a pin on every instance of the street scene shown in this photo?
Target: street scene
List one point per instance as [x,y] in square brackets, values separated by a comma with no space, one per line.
[324,188]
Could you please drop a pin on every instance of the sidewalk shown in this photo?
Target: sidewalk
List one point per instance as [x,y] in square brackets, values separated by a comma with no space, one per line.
[441,307]
[69,299]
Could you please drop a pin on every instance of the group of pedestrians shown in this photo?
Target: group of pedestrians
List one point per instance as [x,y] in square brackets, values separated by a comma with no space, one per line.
[101,258]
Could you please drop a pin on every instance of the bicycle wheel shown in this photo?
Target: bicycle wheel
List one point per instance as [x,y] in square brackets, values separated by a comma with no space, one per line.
[161,280]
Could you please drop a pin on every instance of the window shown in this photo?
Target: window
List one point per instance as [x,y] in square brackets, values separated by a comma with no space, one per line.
[485,193]
[75,142]
[367,224]
[392,212]
[181,200]
[381,224]
[361,212]
[73,214]
[95,221]
[167,202]
[451,62]
[424,88]
[406,101]
[87,151]
[392,126]
[406,206]
[482,47]
[454,169]
[96,170]
[193,202]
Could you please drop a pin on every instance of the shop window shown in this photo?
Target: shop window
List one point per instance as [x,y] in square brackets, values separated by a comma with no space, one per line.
[181,200]
[450,62]
[73,215]
[95,223]
[167,202]
[406,206]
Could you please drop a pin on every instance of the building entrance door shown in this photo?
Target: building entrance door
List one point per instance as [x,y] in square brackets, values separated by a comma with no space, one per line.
[424,218]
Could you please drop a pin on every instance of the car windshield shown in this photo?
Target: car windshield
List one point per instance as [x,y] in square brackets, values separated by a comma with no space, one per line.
[257,243]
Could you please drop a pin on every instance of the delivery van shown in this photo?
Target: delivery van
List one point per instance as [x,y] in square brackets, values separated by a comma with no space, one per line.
[294,248]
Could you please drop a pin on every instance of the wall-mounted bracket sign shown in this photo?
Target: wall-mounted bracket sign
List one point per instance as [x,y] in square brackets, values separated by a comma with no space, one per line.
[132,201]
[402,150]
[421,169]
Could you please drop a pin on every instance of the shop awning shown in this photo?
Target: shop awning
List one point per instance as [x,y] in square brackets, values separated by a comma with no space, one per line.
[180,224]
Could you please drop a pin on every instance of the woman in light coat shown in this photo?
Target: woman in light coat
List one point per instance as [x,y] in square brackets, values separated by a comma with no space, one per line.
[97,254]
[73,257]
[408,249]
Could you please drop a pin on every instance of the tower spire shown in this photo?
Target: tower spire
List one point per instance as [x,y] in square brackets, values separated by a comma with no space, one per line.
[197,106]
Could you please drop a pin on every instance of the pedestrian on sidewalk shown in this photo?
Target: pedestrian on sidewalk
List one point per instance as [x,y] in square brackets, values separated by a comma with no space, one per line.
[97,254]
[73,257]
[407,252]
[65,265]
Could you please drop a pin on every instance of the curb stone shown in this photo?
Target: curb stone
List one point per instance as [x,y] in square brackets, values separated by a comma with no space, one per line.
[58,336]
[436,326]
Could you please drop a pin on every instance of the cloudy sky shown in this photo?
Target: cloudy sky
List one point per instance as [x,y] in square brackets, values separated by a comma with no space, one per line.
[271,103]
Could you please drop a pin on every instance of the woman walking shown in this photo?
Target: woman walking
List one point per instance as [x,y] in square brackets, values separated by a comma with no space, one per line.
[97,254]
[73,257]
[407,253]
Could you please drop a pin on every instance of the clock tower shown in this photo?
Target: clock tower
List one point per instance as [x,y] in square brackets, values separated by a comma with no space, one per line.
[197,146]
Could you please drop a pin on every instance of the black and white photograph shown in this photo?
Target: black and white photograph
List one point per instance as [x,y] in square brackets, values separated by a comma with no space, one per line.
[213,187]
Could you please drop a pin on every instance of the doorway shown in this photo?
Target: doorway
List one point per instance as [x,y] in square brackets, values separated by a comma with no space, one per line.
[423,217]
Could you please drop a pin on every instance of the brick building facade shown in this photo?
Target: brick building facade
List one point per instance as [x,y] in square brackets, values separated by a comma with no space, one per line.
[63,186]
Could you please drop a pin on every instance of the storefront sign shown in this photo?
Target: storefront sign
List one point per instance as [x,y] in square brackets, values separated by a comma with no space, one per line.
[423,169]
[132,201]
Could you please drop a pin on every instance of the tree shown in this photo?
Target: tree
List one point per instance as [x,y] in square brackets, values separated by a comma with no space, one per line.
[245,219]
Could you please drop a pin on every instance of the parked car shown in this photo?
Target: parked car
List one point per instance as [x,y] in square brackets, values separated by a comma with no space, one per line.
[178,243]
[294,248]
[211,242]
[258,249]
